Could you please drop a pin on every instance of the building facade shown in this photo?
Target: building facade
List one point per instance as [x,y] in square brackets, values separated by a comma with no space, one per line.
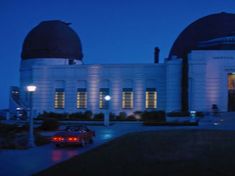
[64,88]
[198,73]
[212,80]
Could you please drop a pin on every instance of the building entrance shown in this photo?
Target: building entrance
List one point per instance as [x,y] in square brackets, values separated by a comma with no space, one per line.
[231,92]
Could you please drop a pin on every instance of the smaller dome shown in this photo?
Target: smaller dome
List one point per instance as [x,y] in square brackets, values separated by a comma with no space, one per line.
[52,39]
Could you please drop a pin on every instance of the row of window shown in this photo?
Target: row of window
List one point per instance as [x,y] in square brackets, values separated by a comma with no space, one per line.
[127,98]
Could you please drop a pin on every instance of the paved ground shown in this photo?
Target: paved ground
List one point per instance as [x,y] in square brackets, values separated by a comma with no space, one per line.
[27,162]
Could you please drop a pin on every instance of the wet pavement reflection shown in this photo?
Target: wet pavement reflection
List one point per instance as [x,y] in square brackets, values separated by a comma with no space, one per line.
[58,154]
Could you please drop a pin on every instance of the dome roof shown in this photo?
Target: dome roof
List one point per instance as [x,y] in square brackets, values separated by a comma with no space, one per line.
[52,39]
[204,29]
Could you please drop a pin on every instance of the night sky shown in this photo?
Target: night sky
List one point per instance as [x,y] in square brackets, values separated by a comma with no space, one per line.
[111,31]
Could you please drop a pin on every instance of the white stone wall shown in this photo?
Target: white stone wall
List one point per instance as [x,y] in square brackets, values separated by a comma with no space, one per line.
[173,84]
[208,71]
[93,76]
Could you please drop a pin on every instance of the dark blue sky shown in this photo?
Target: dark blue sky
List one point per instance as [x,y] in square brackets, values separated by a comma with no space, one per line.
[111,31]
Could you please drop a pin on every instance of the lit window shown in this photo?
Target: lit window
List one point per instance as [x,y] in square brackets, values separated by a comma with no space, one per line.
[151,98]
[231,81]
[81,98]
[127,98]
[59,99]
[102,103]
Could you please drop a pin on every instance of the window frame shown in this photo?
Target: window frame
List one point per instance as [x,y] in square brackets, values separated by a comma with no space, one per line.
[127,100]
[59,98]
[151,102]
[81,101]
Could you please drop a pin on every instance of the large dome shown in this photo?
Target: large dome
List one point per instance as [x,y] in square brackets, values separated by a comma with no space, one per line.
[207,28]
[52,39]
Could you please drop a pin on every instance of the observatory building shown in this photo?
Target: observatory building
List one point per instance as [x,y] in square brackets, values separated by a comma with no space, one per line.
[199,72]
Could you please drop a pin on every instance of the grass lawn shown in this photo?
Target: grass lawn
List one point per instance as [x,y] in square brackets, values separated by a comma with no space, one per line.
[160,153]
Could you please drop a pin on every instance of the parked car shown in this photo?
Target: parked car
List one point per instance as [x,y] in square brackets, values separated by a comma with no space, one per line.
[73,135]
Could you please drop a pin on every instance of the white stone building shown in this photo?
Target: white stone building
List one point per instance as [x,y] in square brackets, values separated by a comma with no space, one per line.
[199,72]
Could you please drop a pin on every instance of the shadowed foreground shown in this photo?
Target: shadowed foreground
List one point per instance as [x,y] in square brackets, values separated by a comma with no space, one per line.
[185,152]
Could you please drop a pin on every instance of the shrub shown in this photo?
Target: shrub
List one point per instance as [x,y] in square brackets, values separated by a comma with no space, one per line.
[7,128]
[121,116]
[184,114]
[156,116]
[50,124]
[88,115]
[131,117]
[112,116]
[99,116]
[54,115]
[13,137]
[178,114]
[8,141]
[77,116]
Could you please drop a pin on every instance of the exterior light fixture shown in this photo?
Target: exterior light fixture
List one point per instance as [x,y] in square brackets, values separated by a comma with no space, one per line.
[31,89]
[107,98]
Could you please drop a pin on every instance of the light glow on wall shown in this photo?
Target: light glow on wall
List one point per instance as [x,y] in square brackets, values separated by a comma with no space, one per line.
[93,87]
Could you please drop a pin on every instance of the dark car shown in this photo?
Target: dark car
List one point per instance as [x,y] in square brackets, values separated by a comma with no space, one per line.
[73,135]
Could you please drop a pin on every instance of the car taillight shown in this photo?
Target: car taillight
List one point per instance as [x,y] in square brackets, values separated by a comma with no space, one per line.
[57,138]
[72,139]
